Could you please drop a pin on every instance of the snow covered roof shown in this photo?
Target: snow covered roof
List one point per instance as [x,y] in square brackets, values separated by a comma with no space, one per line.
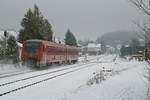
[127,45]
[13,33]
[98,45]
[93,45]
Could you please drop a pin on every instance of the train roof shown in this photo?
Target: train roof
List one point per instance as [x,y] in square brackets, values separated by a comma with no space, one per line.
[52,43]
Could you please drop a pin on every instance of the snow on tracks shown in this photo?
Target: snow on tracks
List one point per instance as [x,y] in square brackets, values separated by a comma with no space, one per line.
[10,74]
[36,79]
[64,72]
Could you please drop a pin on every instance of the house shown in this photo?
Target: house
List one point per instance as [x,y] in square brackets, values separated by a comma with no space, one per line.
[91,49]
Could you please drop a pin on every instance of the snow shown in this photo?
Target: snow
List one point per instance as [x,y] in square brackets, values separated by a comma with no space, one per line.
[10,32]
[9,68]
[126,83]
[94,47]
[19,44]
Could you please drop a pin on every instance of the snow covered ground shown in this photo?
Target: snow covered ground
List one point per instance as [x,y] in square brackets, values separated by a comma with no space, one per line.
[11,68]
[126,83]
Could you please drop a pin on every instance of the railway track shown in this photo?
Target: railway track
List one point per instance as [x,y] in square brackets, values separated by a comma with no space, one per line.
[113,60]
[45,76]
[5,75]
[123,94]
[64,72]
[34,76]
[14,73]
[9,72]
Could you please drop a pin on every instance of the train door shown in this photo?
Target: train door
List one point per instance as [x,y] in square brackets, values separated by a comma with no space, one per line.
[42,55]
[66,54]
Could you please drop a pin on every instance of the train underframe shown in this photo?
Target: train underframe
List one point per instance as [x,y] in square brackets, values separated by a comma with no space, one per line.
[34,63]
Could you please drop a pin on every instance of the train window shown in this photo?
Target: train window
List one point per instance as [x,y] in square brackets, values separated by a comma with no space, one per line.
[32,47]
[56,50]
[51,49]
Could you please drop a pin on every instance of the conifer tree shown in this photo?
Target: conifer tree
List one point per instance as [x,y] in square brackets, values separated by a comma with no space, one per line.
[70,38]
[34,26]
[12,49]
[103,46]
[11,44]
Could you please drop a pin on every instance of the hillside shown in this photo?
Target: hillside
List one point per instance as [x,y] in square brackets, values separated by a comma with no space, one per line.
[113,38]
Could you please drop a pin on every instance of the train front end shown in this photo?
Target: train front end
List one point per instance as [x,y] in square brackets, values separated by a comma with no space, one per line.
[32,53]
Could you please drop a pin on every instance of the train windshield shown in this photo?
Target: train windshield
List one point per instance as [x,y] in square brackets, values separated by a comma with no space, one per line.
[32,47]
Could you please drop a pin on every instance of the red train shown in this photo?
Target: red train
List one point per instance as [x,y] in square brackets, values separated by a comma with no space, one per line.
[42,53]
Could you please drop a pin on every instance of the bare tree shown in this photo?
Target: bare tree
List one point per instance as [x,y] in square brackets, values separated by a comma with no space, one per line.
[144,6]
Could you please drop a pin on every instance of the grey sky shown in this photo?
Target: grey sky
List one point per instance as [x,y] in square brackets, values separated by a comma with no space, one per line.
[87,19]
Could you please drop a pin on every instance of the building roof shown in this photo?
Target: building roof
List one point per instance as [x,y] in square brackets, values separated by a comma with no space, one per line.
[13,33]
[93,45]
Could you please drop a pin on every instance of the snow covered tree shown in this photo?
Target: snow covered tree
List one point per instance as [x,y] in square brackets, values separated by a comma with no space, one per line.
[11,44]
[103,46]
[2,47]
[47,30]
[70,38]
[34,26]
[144,6]
[12,49]
[98,40]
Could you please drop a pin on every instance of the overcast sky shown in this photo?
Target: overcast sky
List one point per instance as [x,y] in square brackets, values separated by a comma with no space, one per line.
[87,19]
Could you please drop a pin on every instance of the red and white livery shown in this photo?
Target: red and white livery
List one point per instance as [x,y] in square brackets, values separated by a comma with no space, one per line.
[42,53]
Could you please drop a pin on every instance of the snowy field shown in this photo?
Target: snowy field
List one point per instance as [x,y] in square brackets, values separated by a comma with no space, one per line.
[125,81]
